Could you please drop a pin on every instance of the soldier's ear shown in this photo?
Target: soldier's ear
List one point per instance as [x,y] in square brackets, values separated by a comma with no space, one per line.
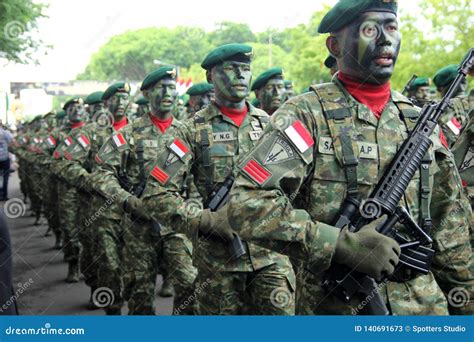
[333,46]
[146,94]
[208,76]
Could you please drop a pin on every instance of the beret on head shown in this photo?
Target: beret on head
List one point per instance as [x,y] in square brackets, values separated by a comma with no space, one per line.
[168,71]
[120,87]
[142,101]
[266,76]
[228,52]
[199,89]
[72,101]
[61,114]
[420,82]
[445,75]
[346,11]
[93,98]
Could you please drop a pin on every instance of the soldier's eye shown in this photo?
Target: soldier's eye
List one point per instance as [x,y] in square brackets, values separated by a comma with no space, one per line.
[369,30]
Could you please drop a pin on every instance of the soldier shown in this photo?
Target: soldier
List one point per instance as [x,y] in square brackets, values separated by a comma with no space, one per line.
[68,205]
[200,96]
[125,161]
[289,90]
[269,89]
[456,117]
[332,145]
[419,91]
[143,107]
[207,148]
[95,105]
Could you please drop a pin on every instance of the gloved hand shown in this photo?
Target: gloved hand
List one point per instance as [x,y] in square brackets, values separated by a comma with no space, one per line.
[216,224]
[134,206]
[367,251]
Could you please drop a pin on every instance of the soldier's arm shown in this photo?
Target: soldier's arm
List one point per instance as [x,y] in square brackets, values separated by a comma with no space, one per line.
[74,169]
[450,210]
[271,177]
[455,119]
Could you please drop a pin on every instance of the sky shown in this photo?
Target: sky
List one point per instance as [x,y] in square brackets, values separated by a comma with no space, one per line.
[78,28]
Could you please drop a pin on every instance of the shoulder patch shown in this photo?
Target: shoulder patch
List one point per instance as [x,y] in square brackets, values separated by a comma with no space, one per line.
[160,175]
[83,141]
[299,135]
[68,141]
[119,140]
[51,141]
[468,161]
[56,155]
[257,172]
[179,148]
[454,126]
[98,160]
[280,152]
[67,155]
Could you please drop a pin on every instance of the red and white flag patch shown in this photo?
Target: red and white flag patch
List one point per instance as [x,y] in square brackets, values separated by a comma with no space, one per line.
[179,148]
[119,140]
[300,136]
[160,175]
[51,141]
[83,141]
[68,141]
[257,172]
[454,126]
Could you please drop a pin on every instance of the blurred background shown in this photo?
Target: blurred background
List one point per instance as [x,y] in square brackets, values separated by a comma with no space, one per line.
[51,50]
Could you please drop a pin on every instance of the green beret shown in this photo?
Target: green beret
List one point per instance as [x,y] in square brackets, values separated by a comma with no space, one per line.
[61,115]
[71,101]
[228,52]
[266,76]
[153,77]
[199,89]
[446,75]
[93,98]
[142,101]
[120,87]
[288,84]
[420,82]
[346,11]
[330,62]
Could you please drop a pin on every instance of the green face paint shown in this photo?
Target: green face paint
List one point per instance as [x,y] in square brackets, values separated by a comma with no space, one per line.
[271,95]
[163,97]
[76,112]
[231,81]
[118,105]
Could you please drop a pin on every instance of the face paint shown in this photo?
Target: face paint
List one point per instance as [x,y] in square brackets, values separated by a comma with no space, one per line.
[163,97]
[423,94]
[76,112]
[142,110]
[370,47]
[198,102]
[271,95]
[118,105]
[231,81]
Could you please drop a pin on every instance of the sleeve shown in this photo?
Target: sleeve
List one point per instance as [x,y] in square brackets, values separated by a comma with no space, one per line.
[164,196]
[450,210]
[73,171]
[270,178]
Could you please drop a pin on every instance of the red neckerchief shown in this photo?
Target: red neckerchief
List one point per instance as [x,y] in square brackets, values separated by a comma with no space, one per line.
[160,124]
[373,96]
[77,125]
[118,125]
[236,115]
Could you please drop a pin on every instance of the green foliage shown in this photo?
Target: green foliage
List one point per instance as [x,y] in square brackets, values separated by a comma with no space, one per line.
[18,23]
[229,32]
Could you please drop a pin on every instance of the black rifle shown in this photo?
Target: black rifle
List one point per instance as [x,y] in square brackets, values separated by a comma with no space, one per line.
[384,199]
[218,198]
[409,84]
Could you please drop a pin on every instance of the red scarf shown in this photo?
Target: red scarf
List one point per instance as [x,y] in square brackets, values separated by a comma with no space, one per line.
[118,125]
[373,96]
[77,125]
[236,115]
[160,124]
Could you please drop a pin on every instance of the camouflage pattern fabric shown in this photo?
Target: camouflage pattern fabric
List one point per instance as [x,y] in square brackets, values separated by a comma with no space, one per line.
[455,119]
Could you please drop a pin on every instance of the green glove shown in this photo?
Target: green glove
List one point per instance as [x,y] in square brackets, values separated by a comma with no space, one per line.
[216,224]
[367,251]
[134,206]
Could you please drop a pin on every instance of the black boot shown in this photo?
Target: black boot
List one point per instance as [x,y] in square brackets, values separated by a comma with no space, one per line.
[73,272]
[59,242]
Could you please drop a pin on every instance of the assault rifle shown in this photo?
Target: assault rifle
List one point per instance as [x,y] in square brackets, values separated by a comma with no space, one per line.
[384,199]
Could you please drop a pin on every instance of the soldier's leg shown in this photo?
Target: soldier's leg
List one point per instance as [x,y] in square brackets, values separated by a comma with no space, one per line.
[89,258]
[54,211]
[109,239]
[177,252]
[271,291]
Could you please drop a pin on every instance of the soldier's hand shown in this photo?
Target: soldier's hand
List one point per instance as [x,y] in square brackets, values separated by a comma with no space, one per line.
[367,251]
[134,206]
[216,224]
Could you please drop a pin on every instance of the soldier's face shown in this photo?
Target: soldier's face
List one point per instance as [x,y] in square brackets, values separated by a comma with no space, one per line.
[142,110]
[94,108]
[198,102]
[289,92]
[163,96]
[370,47]
[231,80]
[271,95]
[118,105]
[76,112]
[423,93]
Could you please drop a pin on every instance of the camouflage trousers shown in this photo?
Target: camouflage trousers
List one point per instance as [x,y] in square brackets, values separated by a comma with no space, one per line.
[36,182]
[177,255]
[50,195]
[109,248]
[23,175]
[68,207]
[268,291]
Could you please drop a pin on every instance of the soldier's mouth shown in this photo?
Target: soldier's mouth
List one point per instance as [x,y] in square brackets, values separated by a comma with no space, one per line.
[384,59]
[239,86]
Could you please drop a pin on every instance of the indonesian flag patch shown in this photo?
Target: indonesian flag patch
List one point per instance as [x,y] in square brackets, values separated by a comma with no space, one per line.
[454,126]
[119,140]
[160,175]
[68,141]
[51,141]
[257,172]
[179,148]
[300,136]
[83,141]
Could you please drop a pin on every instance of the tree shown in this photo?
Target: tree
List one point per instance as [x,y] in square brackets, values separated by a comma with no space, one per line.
[18,22]
[228,32]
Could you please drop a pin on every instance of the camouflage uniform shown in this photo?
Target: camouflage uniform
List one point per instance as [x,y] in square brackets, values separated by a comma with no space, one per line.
[213,143]
[292,185]
[456,118]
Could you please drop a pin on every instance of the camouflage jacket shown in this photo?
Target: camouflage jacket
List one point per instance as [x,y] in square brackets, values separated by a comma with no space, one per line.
[292,185]
[456,118]
[463,151]
[185,155]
